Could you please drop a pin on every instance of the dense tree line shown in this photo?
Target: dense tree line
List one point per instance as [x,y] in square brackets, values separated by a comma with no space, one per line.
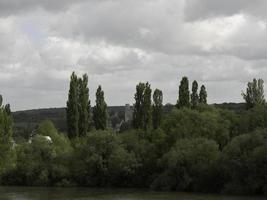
[196,147]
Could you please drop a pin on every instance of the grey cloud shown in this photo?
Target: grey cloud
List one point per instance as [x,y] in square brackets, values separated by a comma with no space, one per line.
[141,24]
[199,10]
[120,43]
[157,26]
[127,60]
[13,7]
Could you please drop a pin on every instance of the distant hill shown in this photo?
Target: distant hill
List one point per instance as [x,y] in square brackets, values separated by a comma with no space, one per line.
[26,121]
[236,107]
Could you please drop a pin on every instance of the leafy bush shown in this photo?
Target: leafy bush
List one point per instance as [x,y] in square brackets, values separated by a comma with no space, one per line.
[187,123]
[189,166]
[245,163]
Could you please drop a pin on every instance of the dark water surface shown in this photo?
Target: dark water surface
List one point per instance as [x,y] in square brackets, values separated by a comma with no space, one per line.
[33,193]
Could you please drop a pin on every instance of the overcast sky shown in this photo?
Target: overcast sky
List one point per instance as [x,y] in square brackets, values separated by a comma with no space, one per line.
[118,43]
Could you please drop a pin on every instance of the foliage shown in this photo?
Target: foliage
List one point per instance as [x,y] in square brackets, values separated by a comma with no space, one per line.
[100,110]
[189,166]
[73,107]
[7,109]
[157,108]
[245,163]
[187,123]
[147,109]
[199,148]
[254,93]
[194,95]
[6,142]
[41,161]
[101,160]
[138,106]
[84,106]
[203,95]
[254,118]
[78,107]
[184,94]
[142,116]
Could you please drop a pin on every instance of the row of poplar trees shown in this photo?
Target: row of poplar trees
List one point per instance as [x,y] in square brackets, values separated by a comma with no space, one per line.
[185,99]
[148,115]
[79,119]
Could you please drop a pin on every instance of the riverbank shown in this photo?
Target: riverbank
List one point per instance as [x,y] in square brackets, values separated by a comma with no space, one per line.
[78,193]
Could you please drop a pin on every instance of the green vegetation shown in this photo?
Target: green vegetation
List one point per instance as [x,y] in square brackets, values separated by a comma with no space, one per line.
[157,108]
[194,95]
[84,106]
[78,107]
[100,110]
[193,147]
[184,94]
[203,95]
[254,94]
[7,155]
[73,107]
[142,116]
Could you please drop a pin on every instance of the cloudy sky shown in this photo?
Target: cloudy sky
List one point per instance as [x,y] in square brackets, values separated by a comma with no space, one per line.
[118,43]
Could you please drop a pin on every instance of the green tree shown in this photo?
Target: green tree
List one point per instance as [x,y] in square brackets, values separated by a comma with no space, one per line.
[194,95]
[7,109]
[84,106]
[44,160]
[1,100]
[157,108]
[138,106]
[147,107]
[245,163]
[142,116]
[255,93]
[101,160]
[100,110]
[6,141]
[184,94]
[189,165]
[188,123]
[203,95]
[73,107]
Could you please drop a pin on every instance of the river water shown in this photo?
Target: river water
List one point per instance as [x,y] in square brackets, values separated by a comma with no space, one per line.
[34,193]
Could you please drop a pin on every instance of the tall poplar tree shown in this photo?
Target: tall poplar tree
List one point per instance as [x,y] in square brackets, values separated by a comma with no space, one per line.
[7,109]
[73,107]
[138,106]
[142,116]
[203,95]
[255,93]
[6,132]
[194,95]
[157,108]
[100,110]
[184,94]
[147,117]
[84,106]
